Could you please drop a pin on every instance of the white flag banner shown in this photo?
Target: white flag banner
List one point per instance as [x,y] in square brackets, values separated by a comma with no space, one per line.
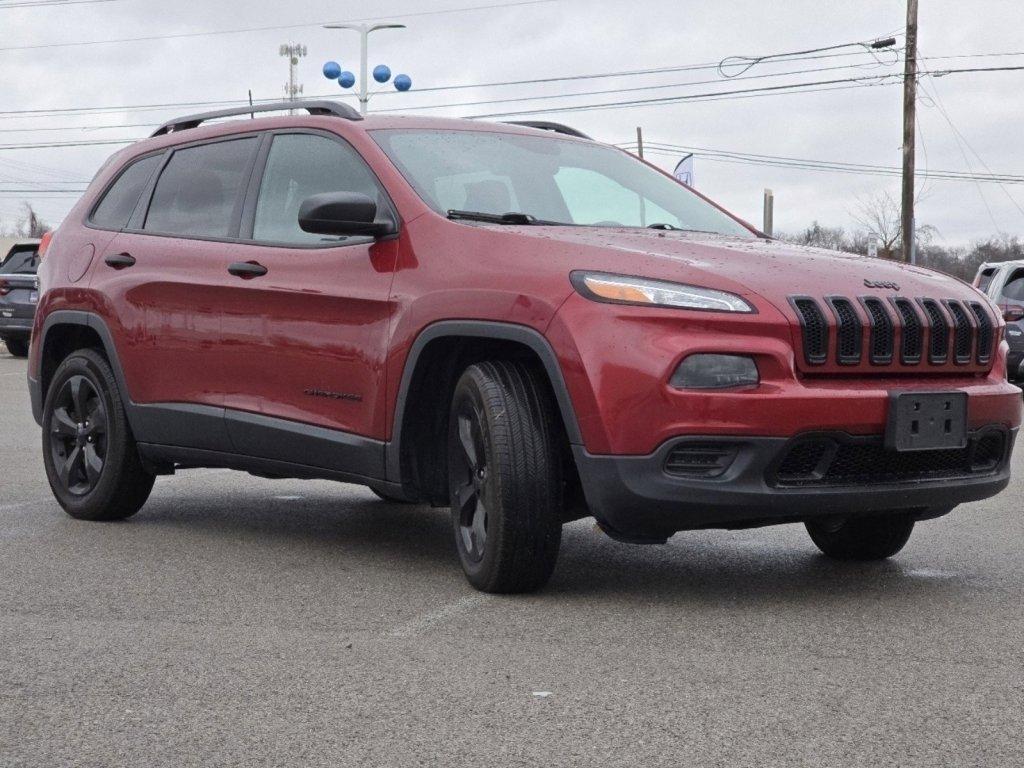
[684,170]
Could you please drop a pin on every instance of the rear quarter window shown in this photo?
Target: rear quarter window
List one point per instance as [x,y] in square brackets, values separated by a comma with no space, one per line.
[116,207]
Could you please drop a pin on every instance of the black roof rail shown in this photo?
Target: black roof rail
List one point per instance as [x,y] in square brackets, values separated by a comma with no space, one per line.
[313,107]
[544,125]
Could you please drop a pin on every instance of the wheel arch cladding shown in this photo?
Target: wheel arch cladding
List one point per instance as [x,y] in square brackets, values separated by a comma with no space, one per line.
[435,361]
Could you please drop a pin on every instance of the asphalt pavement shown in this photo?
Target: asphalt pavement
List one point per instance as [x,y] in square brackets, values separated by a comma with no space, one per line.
[240,621]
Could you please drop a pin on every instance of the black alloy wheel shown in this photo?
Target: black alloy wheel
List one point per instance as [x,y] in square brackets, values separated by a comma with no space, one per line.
[78,436]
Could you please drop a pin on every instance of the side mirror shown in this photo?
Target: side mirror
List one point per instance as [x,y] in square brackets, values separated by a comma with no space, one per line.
[1012,312]
[342,213]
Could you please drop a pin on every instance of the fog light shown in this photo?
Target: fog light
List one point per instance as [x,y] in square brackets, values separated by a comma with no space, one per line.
[715,372]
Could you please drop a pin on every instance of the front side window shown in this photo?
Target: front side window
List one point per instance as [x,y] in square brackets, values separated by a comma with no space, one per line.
[200,190]
[300,166]
[118,204]
[985,279]
[555,180]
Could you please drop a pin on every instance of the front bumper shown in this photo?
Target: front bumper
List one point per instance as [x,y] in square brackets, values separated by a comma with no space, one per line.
[636,499]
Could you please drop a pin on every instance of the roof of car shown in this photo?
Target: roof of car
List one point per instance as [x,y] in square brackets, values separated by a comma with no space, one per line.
[371,122]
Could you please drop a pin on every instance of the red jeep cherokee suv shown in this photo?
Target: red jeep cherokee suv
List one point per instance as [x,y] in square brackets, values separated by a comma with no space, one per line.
[508,319]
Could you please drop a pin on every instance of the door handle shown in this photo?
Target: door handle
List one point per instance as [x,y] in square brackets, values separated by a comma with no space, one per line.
[247,269]
[120,260]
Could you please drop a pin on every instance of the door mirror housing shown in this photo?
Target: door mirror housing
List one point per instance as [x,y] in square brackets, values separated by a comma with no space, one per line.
[342,213]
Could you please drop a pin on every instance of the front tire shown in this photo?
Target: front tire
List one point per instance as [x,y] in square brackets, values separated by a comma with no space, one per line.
[89,452]
[17,347]
[873,537]
[505,477]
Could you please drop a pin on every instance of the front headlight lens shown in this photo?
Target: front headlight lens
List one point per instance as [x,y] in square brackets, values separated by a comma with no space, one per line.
[620,289]
[704,371]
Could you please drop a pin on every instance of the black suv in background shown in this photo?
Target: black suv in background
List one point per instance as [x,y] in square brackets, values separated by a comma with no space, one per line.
[19,294]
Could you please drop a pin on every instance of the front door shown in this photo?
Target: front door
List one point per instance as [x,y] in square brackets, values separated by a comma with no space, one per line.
[304,331]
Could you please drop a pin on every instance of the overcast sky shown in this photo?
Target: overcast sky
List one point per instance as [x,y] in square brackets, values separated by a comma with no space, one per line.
[554,39]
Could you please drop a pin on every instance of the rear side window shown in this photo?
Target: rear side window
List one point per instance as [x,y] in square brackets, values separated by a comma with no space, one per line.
[299,166]
[1014,288]
[200,190]
[115,209]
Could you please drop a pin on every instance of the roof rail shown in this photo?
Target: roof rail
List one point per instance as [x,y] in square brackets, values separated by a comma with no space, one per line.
[313,107]
[544,125]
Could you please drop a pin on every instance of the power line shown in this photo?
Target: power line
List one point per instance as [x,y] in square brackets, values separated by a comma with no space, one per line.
[276,27]
[45,3]
[819,165]
[689,97]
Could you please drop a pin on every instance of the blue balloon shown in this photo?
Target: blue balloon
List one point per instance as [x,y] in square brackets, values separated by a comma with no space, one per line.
[382,73]
[331,70]
[346,79]
[403,83]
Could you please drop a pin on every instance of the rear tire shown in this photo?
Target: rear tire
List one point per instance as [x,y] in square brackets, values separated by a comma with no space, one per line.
[874,537]
[505,477]
[89,453]
[17,347]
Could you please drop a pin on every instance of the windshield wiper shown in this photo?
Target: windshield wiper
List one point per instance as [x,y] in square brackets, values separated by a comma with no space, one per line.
[496,218]
[669,227]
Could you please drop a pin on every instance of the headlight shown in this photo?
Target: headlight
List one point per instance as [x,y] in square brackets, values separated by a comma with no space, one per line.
[703,371]
[619,289]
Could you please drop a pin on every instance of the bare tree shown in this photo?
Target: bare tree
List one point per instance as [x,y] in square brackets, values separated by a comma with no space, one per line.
[880,216]
[32,225]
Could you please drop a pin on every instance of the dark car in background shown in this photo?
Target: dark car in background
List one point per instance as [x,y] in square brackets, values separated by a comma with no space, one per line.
[19,294]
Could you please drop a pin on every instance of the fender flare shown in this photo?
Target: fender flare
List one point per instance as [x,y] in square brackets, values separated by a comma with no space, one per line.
[95,323]
[486,329]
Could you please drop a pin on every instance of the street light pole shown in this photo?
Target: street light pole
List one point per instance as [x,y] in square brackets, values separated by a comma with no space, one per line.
[364,31]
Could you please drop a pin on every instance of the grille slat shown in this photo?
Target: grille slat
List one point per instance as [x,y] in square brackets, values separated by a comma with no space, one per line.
[882,330]
[815,329]
[849,330]
[938,344]
[986,333]
[912,340]
[963,333]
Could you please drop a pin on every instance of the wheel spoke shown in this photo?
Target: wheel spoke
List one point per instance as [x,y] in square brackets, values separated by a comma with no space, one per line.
[466,498]
[79,395]
[97,419]
[468,444]
[63,423]
[93,464]
[66,469]
[480,527]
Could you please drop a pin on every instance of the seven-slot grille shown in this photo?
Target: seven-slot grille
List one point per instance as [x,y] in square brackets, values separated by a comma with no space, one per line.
[884,331]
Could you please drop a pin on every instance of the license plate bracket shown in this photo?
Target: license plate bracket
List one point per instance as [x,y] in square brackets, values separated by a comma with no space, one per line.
[926,421]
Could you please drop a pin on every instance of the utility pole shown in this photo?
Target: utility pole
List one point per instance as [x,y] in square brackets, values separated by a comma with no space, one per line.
[364,31]
[769,213]
[909,128]
[294,52]
[640,142]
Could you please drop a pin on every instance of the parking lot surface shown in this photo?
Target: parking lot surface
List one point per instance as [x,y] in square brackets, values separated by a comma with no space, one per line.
[240,621]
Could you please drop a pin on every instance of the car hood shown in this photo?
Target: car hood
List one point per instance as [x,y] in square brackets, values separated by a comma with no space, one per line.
[770,269]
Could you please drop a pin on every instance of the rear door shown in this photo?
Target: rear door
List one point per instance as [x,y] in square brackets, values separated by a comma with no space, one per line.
[305,342]
[18,292]
[165,276]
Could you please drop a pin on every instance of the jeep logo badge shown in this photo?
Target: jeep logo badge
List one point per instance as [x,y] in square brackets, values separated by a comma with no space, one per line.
[885,285]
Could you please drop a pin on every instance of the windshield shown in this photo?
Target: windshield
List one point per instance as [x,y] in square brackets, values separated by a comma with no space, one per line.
[551,179]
